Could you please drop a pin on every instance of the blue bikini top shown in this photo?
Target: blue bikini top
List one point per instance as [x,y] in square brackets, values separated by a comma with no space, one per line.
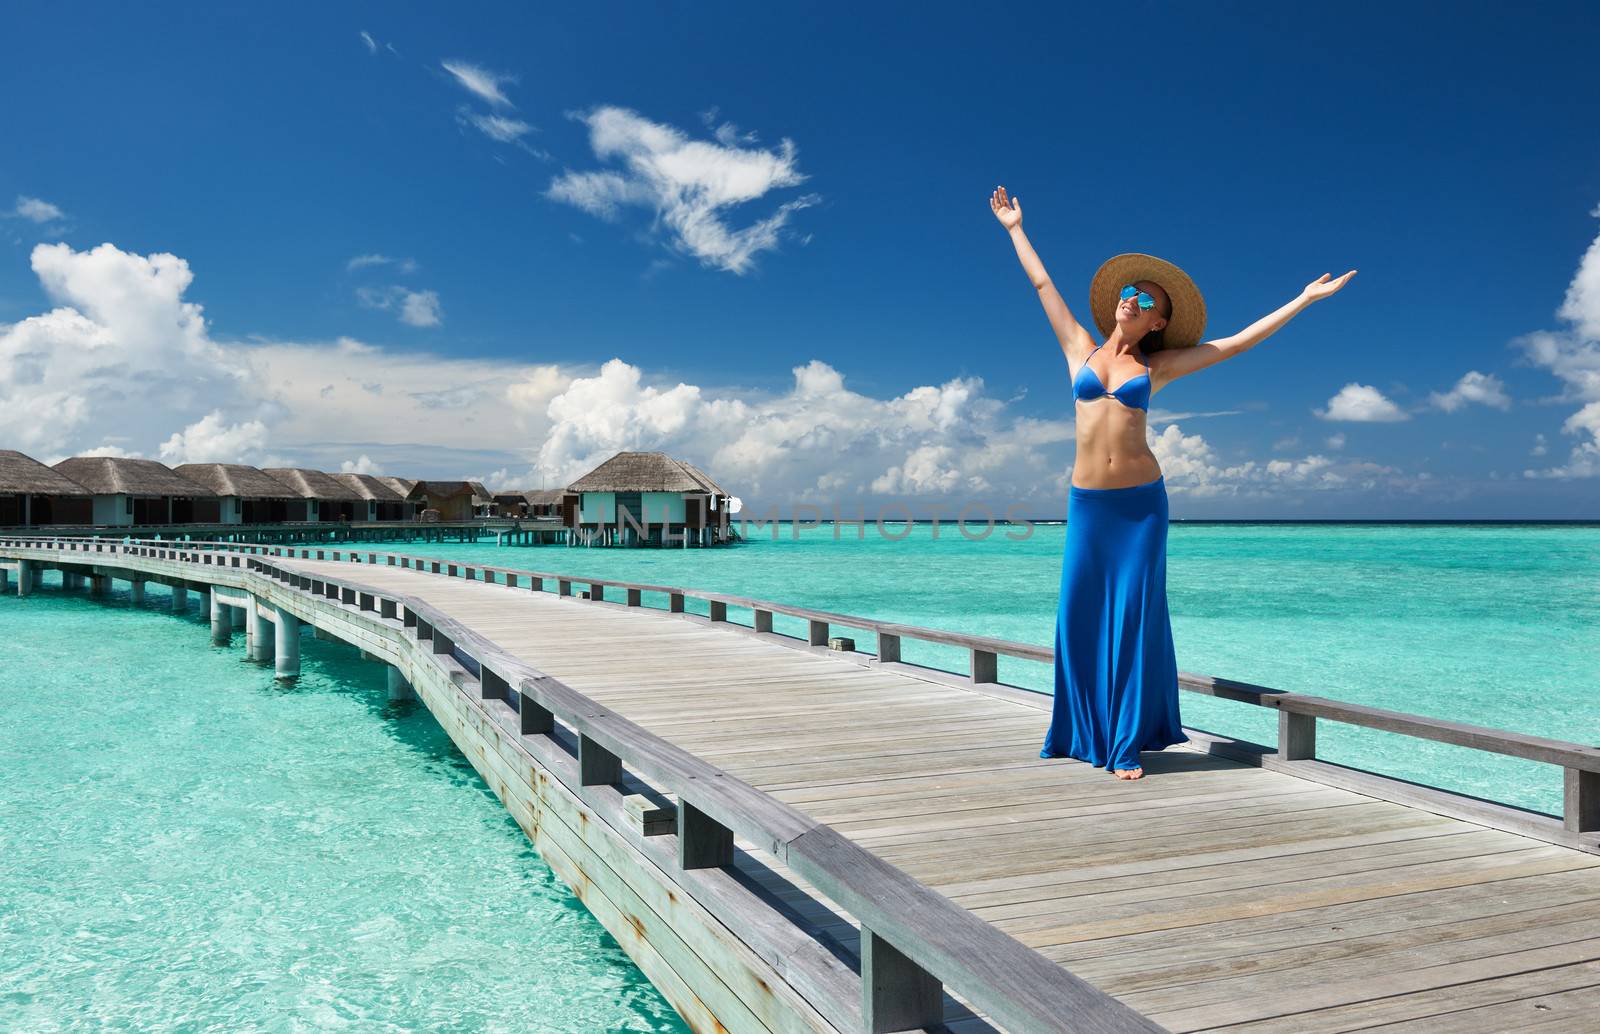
[1134,392]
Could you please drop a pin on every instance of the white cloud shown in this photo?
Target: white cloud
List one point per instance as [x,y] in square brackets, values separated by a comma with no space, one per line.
[415,308]
[691,185]
[363,261]
[116,451]
[362,465]
[36,210]
[210,440]
[480,81]
[1484,388]
[1361,403]
[121,347]
[1573,356]
[372,44]
[1336,440]
[1540,447]
[1581,306]
[1191,466]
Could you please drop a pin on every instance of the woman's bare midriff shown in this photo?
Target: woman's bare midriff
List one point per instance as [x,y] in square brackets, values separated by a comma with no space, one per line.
[1112,452]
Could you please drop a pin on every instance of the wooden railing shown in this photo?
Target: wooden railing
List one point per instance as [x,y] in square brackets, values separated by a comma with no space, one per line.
[914,941]
[1298,713]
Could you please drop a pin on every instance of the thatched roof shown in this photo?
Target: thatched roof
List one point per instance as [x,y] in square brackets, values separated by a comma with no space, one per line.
[449,490]
[544,496]
[235,479]
[645,472]
[314,484]
[370,487]
[24,475]
[402,486]
[118,475]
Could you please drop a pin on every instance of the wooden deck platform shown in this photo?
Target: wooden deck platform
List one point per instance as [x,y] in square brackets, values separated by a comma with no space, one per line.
[1210,895]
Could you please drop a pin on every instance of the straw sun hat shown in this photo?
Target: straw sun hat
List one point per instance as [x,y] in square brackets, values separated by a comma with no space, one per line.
[1188,318]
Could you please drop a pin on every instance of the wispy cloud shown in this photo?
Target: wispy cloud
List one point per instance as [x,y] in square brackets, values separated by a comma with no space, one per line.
[374,45]
[414,308]
[36,210]
[1361,403]
[481,82]
[370,260]
[1482,388]
[691,185]
[498,127]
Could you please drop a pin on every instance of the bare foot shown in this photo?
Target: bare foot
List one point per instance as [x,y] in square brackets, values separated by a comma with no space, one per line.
[1130,773]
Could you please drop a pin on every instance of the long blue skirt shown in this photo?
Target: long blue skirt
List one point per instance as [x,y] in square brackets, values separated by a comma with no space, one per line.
[1116,671]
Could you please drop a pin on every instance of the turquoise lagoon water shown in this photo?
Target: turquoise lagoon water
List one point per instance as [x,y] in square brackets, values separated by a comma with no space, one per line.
[185,845]
[1496,625]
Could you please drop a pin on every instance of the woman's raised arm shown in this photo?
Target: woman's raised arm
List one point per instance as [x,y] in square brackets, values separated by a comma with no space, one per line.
[1075,341]
[1171,364]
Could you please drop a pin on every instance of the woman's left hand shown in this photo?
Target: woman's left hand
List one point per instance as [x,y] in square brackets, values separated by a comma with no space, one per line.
[1324,285]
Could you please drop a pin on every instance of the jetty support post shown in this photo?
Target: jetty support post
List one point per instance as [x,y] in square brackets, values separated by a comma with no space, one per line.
[5,579]
[25,574]
[136,590]
[399,688]
[286,643]
[257,637]
[180,597]
[896,993]
[221,624]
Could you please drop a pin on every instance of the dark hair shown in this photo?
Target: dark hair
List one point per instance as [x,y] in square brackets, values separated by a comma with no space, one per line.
[1156,340]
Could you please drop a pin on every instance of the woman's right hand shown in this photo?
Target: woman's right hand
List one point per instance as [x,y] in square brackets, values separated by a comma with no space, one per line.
[1007,210]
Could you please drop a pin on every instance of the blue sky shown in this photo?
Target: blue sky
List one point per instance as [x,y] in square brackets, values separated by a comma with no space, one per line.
[383,263]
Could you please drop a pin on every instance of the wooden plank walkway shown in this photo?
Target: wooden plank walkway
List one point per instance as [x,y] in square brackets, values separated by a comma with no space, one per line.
[1210,895]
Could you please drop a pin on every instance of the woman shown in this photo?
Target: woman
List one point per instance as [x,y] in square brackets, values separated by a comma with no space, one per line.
[1116,685]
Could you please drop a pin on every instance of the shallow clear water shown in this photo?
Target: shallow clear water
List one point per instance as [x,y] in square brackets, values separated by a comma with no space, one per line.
[1497,625]
[187,845]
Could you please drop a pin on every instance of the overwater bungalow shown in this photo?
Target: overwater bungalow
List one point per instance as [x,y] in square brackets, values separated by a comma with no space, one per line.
[401,485]
[30,491]
[245,495]
[315,496]
[383,502]
[454,500]
[129,491]
[543,502]
[646,498]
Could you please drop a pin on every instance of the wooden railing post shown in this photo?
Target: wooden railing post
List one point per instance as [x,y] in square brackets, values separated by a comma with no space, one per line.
[1580,811]
[719,610]
[763,620]
[635,598]
[703,842]
[596,765]
[675,602]
[492,686]
[896,993]
[985,666]
[888,647]
[1297,736]
[536,718]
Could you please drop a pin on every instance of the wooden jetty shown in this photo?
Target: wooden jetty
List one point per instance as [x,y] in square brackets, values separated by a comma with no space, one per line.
[790,838]
[519,531]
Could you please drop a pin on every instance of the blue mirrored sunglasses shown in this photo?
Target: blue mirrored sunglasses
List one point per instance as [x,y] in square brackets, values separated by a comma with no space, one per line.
[1145,300]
